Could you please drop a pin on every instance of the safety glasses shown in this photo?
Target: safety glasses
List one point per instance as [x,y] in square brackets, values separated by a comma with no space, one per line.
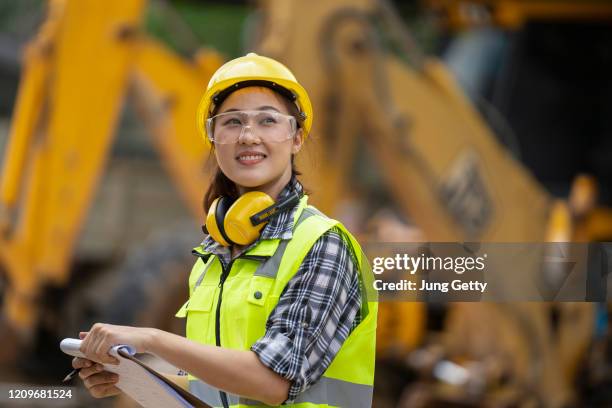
[269,126]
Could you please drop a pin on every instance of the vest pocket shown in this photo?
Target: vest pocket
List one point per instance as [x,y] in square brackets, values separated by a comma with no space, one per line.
[200,319]
[202,299]
[259,290]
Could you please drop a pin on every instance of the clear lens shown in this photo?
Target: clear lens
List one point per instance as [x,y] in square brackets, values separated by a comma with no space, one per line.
[269,126]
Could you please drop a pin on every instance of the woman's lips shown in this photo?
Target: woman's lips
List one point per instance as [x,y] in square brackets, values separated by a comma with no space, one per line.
[250,158]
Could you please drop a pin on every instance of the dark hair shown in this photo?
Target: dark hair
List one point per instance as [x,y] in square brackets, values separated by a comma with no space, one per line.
[220,184]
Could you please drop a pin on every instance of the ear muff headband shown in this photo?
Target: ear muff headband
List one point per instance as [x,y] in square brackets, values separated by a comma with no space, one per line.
[222,208]
[212,226]
[240,222]
[277,208]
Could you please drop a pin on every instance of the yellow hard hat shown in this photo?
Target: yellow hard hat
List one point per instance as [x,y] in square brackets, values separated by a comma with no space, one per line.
[253,70]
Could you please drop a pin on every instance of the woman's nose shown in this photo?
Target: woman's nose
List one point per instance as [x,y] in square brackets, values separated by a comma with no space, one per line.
[248,136]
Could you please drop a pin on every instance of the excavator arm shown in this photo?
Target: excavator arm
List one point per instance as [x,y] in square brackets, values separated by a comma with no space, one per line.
[75,76]
[442,163]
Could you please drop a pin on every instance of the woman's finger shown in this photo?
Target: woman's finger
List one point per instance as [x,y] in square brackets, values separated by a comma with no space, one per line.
[102,354]
[105,377]
[85,343]
[101,350]
[82,335]
[92,341]
[79,362]
[104,390]
[101,346]
[89,371]
[92,338]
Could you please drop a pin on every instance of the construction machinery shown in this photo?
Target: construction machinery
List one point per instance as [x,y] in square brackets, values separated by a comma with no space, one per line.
[88,60]
[396,119]
[451,175]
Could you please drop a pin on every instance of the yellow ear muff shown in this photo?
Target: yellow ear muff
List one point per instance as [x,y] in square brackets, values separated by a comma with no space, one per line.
[237,223]
[214,227]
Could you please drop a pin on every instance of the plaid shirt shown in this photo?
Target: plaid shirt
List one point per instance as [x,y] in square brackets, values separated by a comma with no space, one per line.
[317,310]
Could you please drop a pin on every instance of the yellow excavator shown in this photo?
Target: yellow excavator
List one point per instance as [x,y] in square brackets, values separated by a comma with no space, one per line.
[445,169]
[397,119]
[88,60]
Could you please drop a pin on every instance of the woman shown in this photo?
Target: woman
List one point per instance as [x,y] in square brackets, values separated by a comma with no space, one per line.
[277,310]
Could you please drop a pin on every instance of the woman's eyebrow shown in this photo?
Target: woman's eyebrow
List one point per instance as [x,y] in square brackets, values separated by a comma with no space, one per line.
[268,107]
[265,107]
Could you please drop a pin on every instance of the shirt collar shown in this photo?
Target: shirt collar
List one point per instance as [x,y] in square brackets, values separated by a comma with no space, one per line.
[279,227]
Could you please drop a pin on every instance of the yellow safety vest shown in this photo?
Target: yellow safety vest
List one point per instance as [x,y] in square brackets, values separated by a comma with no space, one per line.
[229,308]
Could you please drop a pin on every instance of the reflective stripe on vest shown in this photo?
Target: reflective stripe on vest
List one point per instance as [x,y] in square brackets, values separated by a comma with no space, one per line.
[348,381]
[326,391]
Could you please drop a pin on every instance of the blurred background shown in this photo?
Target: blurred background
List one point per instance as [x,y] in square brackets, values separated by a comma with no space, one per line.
[435,120]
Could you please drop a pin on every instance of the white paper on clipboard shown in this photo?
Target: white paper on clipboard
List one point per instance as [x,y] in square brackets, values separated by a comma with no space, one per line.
[143,384]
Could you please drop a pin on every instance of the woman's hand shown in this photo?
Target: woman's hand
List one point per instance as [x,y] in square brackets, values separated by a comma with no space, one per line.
[98,382]
[99,340]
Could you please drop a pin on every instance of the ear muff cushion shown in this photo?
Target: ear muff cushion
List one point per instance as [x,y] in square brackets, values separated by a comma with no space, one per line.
[237,224]
[223,205]
[214,227]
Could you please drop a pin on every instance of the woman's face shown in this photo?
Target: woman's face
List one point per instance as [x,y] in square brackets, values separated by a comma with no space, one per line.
[254,161]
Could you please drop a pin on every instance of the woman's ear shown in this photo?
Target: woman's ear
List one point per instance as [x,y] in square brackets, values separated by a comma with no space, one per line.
[298,141]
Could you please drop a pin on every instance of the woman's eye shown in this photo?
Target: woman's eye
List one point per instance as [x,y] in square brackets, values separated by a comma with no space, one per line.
[231,121]
[269,120]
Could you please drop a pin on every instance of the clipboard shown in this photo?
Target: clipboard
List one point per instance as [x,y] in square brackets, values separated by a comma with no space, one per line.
[139,381]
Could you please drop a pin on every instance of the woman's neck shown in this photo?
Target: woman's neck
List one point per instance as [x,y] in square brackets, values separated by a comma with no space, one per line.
[273,188]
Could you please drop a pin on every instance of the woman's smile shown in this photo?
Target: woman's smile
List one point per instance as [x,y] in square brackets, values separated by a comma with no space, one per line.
[250,157]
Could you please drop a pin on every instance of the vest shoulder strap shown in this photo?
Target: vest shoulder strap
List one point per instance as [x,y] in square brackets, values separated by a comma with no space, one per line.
[310,227]
[285,262]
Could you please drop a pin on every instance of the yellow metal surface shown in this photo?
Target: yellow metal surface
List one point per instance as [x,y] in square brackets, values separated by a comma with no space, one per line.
[424,134]
[443,166]
[167,91]
[400,328]
[90,69]
[35,75]
[81,106]
[76,74]
[16,178]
